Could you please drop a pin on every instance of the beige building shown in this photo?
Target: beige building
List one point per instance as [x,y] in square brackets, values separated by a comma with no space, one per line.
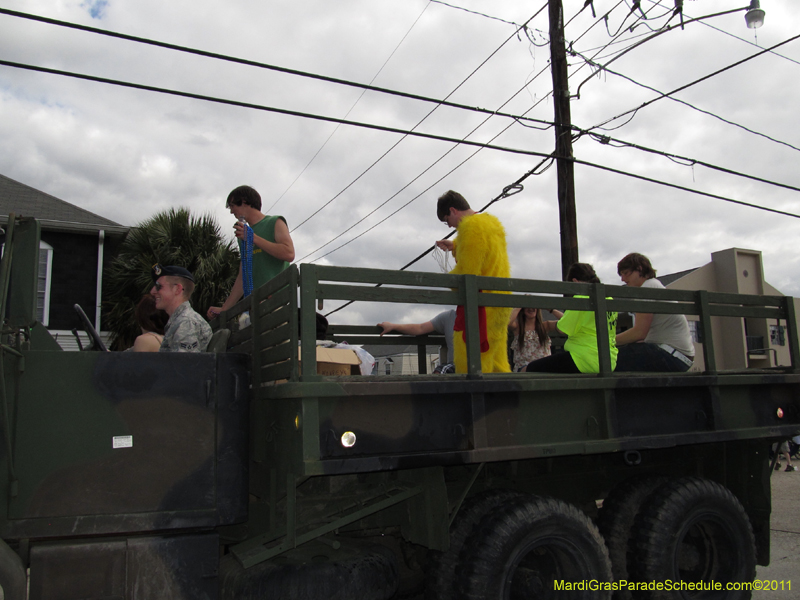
[739,343]
[401,360]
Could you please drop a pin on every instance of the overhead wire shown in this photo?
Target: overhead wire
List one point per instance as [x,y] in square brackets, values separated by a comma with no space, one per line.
[398,142]
[682,160]
[652,180]
[696,108]
[662,31]
[353,225]
[243,61]
[695,82]
[733,35]
[272,109]
[681,187]
[325,143]
[746,41]
[474,12]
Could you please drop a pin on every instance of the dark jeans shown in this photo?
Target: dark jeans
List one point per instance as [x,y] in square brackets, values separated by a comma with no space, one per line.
[648,357]
[555,363]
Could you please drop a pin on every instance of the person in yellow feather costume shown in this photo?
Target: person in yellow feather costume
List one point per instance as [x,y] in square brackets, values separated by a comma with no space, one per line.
[479,249]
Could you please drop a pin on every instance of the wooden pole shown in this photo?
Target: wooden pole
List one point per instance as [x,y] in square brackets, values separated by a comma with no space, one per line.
[563,119]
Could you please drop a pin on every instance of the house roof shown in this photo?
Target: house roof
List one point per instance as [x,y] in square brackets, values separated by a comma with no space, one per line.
[52,213]
[672,277]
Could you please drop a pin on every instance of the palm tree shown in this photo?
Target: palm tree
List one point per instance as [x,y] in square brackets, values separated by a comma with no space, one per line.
[172,237]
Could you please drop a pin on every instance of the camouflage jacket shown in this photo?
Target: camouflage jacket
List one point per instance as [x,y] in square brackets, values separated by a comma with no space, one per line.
[186,331]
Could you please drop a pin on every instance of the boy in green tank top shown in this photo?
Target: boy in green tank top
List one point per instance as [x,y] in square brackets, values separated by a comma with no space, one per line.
[273,248]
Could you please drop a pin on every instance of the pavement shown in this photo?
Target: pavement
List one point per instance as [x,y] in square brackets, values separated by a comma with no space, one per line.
[785,538]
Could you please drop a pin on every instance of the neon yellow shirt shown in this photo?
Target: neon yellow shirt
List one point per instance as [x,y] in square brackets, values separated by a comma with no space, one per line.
[582,338]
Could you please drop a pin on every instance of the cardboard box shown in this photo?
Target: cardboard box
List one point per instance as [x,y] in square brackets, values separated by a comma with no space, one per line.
[336,361]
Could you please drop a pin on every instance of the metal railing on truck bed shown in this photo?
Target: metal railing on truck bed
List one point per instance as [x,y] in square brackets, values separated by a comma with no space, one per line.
[275,334]
[423,420]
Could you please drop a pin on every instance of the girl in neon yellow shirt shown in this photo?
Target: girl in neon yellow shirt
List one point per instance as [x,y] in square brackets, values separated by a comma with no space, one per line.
[580,349]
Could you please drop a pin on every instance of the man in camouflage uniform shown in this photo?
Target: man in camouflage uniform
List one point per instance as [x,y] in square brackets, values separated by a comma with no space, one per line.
[186,331]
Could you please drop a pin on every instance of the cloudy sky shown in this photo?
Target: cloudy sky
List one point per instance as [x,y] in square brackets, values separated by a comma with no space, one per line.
[126,154]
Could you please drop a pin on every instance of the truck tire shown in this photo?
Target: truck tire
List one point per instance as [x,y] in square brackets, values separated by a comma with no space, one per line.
[367,574]
[441,573]
[529,547]
[616,519]
[694,530]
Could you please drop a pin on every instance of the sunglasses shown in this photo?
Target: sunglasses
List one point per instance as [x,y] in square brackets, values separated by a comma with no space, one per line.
[158,286]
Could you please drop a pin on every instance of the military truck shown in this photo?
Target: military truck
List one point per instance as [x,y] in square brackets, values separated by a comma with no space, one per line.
[244,472]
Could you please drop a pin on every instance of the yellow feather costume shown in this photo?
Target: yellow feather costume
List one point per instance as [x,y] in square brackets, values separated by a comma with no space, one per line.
[480,249]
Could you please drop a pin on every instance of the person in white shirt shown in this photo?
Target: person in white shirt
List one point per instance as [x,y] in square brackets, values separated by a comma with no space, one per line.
[656,342]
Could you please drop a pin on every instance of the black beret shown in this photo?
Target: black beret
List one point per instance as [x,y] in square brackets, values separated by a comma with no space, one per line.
[160,271]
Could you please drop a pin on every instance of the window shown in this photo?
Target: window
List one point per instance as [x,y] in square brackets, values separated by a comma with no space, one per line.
[696,332]
[388,366]
[777,335]
[43,286]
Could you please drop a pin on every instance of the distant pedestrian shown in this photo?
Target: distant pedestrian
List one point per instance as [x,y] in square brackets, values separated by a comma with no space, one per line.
[783,448]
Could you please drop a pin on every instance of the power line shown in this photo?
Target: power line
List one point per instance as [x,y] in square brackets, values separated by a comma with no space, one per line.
[681,187]
[693,107]
[653,181]
[741,39]
[415,179]
[325,143]
[474,12]
[369,168]
[261,107]
[695,82]
[666,29]
[425,191]
[783,56]
[616,143]
[251,63]
[433,164]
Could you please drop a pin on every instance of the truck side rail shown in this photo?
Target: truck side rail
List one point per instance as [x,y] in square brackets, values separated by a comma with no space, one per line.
[274,313]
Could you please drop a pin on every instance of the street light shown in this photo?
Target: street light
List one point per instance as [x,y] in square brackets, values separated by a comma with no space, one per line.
[754,17]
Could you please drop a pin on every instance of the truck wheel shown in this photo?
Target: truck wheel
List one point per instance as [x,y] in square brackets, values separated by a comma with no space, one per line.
[441,573]
[312,572]
[694,530]
[530,547]
[615,522]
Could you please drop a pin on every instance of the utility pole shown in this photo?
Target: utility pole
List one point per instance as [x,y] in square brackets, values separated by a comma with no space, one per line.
[563,126]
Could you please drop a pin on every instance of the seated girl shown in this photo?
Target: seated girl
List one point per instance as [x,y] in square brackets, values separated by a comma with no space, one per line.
[530,331]
[152,322]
